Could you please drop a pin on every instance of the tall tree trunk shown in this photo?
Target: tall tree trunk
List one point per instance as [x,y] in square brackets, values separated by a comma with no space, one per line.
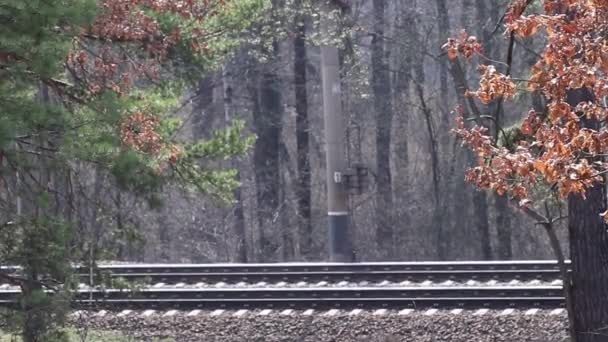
[96,223]
[35,322]
[437,222]
[34,325]
[480,201]
[483,20]
[383,108]
[454,178]
[303,190]
[201,126]
[501,205]
[487,18]
[124,248]
[589,255]
[480,218]
[402,59]
[465,11]
[503,228]
[164,236]
[286,246]
[438,239]
[266,155]
[588,251]
[239,231]
[443,141]
[443,24]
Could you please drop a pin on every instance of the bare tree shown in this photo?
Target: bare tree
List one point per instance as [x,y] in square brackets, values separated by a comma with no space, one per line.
[239,227]
[381,88]
[267,113]
[303,191]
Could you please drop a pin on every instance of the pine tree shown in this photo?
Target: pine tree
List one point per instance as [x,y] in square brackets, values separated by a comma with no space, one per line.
[90,86]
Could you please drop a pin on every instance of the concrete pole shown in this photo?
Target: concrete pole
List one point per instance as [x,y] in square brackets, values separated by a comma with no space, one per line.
[340,248]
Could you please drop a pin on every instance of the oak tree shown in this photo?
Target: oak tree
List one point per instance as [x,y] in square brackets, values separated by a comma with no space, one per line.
[562,146]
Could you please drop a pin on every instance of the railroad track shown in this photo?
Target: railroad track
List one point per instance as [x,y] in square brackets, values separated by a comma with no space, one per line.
[340,285]
[372,297]
[331,272]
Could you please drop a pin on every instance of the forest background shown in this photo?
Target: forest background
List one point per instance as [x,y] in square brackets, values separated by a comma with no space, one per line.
[399,95]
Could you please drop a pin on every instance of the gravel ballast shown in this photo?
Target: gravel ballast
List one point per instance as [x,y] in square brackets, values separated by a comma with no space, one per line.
[417,326]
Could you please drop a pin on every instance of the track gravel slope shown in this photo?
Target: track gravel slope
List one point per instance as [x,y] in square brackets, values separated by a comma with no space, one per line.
[418,326]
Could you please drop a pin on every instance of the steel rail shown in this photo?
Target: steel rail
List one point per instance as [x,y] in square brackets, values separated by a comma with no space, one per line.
[366,297]
[292,272]
[336,276]
[368,271]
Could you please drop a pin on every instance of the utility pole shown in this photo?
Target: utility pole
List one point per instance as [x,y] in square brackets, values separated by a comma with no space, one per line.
[340,248]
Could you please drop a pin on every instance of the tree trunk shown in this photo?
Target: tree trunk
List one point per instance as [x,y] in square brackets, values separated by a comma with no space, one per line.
[303,190]
[201,126]
[438,239]
[443,24]
[437,221]
[403,57]
[501,205]
[286,246]
[503,228]
[239,231]
[36,313]
[465,12]
[588,251]
[35,325]
[480,219]
[383,108]
[443,106]
[164,236]
[589,255]
[240,254]
[480,201]
[266,155]
[482,21]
